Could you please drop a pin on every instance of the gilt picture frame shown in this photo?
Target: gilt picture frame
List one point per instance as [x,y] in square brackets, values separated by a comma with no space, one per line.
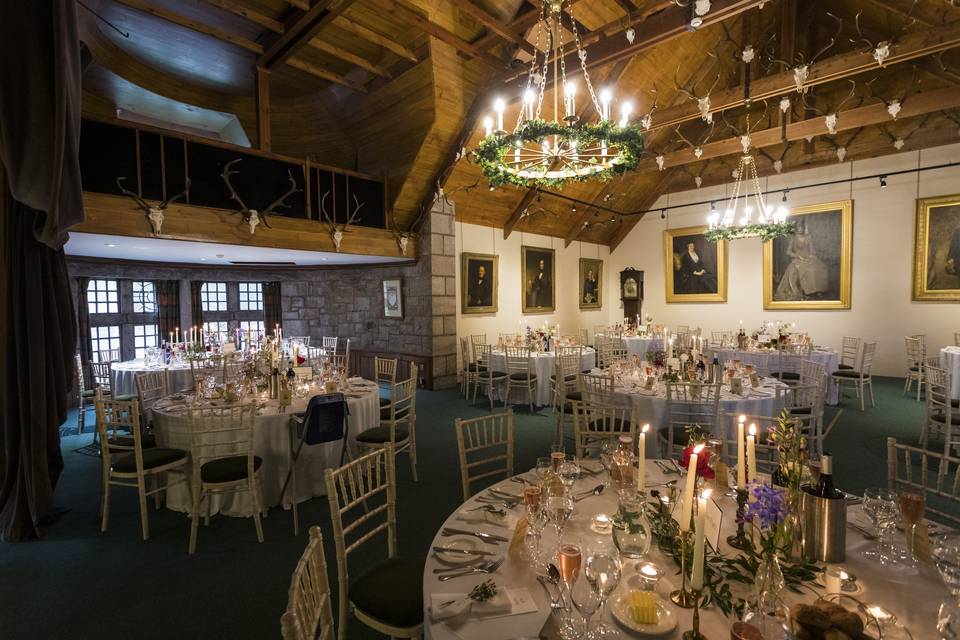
[812,269]
[695,269]
[479,282]
[936,250]
[591,283]
[538,280]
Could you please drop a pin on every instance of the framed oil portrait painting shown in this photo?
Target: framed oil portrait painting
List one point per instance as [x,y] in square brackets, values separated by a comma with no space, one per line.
[695,268]
[811,269]
[936,253]
[392,298]
[538,270]
[591,283]
[478,280]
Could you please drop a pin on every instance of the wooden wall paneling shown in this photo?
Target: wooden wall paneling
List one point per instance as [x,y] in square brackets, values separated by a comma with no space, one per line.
[242,10]
[192,24]
[300,30]
[345,22]
[263,108]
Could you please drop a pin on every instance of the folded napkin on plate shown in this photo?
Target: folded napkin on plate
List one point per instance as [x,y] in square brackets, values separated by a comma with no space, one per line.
[498,605]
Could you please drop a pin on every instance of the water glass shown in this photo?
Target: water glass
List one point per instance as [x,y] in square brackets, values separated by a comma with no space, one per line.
[882,507]
[569,472]
[603,571]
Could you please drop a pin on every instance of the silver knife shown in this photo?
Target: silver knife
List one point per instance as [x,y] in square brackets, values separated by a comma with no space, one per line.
[466,552]
[478,534]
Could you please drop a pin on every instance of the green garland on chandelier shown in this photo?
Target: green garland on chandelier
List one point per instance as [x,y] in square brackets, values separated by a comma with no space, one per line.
[766,231]
[489,155]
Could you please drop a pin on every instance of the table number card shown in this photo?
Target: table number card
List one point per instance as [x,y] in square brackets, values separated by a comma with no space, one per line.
[712,523]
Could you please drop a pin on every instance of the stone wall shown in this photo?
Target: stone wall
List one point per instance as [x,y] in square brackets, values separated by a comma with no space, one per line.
[443,252]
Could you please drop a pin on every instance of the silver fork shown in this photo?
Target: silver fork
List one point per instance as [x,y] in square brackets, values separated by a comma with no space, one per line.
[486,567]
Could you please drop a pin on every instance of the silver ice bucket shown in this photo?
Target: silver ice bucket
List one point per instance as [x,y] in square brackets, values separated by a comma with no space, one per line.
[824,533]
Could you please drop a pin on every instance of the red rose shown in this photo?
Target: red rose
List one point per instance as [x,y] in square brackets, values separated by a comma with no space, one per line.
[703,463]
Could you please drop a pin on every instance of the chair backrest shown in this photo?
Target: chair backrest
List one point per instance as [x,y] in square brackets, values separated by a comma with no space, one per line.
[596,387]
[866,358]
[722,338]
[790,357]
[108,355]
[476,340]
[759,360]
[518,360]
[849,350]
[221,432]
[325,418]
[692,403]
[766,452]
[78,366]
[233,369]
[330,343]
[402,398]
[151,386]
[101,375]
[939,405]
[593,420]
[484,355]
[944,483]
[309,614]
[485,447]
[116,422]
[301,340]
[363,504]
[812,372]
[915,351]
[203,368]
[466,359]
[568,363]
[386,369]
[585,337]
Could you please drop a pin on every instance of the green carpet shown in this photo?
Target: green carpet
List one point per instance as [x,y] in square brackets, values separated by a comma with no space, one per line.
[78,583]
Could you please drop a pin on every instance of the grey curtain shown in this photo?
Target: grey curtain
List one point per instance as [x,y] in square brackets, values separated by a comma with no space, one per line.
[40,198]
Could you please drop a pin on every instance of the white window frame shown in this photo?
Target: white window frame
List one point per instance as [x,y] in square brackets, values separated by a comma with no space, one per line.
[144,296]
[250,296]
[213,296]
[103,296]
[144,336]
[104,338]
[220,327]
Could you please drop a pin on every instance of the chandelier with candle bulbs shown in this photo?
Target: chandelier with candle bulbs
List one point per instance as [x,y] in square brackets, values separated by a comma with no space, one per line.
[755,219]
[538,152]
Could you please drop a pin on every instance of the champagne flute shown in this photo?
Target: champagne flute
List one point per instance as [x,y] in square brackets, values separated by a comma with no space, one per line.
[603,571]
[607,447]
[559,509]
[912,507]
[569,559]
[536,520]
[543,468]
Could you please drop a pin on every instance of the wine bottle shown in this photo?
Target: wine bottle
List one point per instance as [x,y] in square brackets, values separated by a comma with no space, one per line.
[825,488]
[291,374]
[716,371]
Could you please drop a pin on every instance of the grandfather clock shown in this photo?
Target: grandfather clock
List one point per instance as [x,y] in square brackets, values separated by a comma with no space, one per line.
[631,293]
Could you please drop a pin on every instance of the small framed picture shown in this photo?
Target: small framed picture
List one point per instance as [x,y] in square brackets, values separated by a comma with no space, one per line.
[392,298]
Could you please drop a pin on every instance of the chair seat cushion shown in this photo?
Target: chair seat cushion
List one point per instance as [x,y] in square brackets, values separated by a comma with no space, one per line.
[942,418]
[147,441]
[230,469]
[487,375]
[914,369]
[846,373]
[379,435]
[391,591]
[523,376]
[473,366]
[385,412]
[152,458]
[844,366]
[569,378]
[384,402]
[88,393]
[125,397]
[801,411]
[785,375]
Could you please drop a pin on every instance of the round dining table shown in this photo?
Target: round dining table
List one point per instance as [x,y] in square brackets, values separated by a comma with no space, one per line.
[124,380]
[544,365]
[641,345]
[271,442]
[827,357]
[912,595]
[950,360]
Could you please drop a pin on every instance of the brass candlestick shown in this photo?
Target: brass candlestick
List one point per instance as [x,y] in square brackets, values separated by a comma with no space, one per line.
[683,597]
[740,541]
[694,634]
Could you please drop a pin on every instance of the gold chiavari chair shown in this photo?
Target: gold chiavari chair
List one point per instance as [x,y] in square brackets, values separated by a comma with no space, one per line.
[223,460]
[83,394]
[565,386]
[593,423]
[944,483]
[398,422]
[520,373]
[688,404]
[915,355]
[860,379]
[363,504]
[485,447]
[309,614]
[941,413]
[487,375]
[330,344]
[386,371]
[151,386]
[126,462]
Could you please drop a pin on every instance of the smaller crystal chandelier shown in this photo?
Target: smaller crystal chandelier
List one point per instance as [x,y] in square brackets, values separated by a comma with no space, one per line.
[754,219]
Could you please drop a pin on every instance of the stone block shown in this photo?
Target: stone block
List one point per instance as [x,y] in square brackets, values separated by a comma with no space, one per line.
[438,286]
[449,245]
[449,325]
[451,285]
[444,305]
[441,223]
[436,244]
[444,345]
[438,326]
[444,266]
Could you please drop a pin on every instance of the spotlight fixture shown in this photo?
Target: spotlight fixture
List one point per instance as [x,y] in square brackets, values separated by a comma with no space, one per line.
[713,206]
[663,214]
[883,182]
[573,208]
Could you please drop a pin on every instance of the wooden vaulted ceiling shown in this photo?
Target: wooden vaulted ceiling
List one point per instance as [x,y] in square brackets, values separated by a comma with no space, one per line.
[398,88]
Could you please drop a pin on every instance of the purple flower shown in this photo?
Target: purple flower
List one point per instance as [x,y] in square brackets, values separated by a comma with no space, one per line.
[768,506]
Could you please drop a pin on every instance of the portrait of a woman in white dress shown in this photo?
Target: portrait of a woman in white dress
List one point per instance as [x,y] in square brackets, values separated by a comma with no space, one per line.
[806,277]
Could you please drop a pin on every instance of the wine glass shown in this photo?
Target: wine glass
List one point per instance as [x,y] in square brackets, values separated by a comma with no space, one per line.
[912,507]
[559,509]
[543,468]
[946,557]
[569,472]
[587,601]
[536,520]
[607,447]
[603,571]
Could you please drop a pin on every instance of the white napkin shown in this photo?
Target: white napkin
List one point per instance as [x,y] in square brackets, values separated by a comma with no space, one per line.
[507,602]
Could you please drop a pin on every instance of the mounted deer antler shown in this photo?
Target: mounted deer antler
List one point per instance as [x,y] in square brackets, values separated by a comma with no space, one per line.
[777,162]
[252,217]
[647,120]
[336,230]
[703,104]
[900,140]
[154,213]
[801,65]
[402,237]
[882,49]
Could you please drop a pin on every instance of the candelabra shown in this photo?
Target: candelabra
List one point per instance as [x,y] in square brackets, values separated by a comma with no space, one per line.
[740,541]
[683,597]
[694,633]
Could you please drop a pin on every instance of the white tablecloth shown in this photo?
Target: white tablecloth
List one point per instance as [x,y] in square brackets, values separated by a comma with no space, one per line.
[950,360]
[640,346]
[652,405]
[271,435]
[544,366]
[125,376]
[827,357]
[882,585]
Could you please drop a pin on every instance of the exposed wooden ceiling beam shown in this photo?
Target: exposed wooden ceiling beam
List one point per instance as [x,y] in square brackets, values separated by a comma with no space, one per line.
[300,30]
[624,228]
[347,56]
[322,73]
[514,218]
[494,25]
[408,14]
[627,6]
[239,9]
[303,5]
[875,113]
[194,25]
[838,67]
[376,38]
[519,26]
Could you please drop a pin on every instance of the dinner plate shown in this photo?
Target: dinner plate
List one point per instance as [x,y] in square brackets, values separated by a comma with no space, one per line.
[466,543]
[666,620]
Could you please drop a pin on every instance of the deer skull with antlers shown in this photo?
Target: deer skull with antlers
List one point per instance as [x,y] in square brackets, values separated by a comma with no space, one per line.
[154,213]
[336,230]
[252,217]
[402,237]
